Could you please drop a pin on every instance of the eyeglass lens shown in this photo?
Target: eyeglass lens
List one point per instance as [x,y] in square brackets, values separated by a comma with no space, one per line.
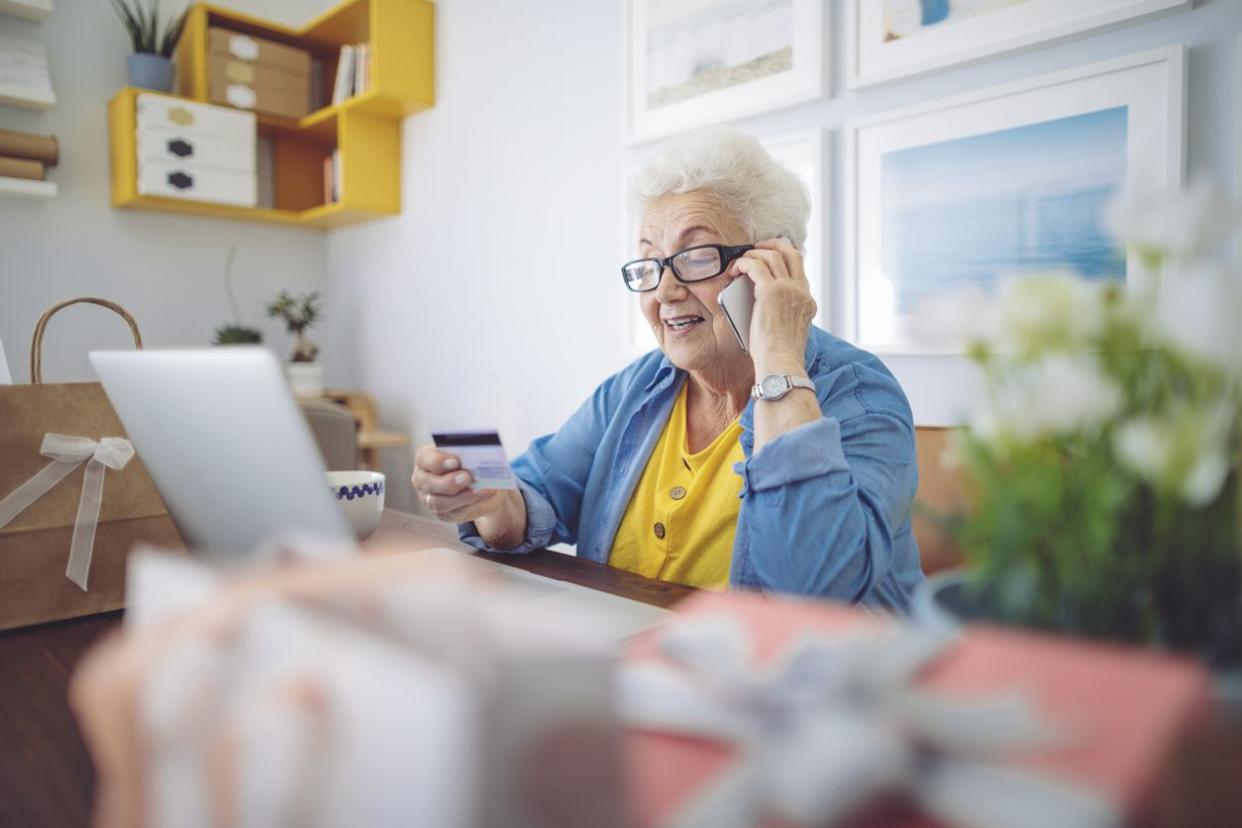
[691,265]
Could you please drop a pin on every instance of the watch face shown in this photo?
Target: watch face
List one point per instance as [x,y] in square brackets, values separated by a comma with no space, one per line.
[773,385]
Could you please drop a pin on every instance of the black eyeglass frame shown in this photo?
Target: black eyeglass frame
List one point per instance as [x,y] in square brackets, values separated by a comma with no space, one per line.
[728,254]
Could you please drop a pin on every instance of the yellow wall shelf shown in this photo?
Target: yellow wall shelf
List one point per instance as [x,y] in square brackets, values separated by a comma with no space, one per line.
[366,129]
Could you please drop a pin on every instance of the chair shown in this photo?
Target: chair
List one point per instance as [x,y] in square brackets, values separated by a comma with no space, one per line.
[335,432]
[941,493]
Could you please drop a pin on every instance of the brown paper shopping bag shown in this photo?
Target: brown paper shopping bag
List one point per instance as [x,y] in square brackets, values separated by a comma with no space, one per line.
[51,567]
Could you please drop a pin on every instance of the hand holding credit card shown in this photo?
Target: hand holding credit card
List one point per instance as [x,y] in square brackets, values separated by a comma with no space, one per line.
[481,454]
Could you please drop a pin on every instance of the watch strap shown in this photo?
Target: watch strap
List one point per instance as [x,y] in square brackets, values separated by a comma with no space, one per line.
[791,382]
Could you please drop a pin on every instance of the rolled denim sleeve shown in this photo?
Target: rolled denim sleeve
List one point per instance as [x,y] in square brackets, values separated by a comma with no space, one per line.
[540,524]
[823,502]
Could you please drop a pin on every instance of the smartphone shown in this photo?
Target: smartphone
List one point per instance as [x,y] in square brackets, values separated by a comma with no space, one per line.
[738,303]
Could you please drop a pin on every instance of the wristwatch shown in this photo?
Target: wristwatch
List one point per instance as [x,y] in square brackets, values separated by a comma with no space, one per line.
[776,386]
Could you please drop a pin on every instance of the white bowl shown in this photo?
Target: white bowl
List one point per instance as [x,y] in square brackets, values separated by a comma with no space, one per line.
[360,495]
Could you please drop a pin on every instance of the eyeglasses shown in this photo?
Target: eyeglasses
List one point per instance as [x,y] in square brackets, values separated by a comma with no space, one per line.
[694,264]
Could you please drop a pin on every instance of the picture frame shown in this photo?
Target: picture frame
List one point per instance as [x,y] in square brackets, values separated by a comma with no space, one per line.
[960,193]
[804,152]
[690,63]
[888,39]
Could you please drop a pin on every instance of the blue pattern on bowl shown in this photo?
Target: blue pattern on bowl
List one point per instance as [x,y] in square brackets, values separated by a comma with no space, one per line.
[362,490]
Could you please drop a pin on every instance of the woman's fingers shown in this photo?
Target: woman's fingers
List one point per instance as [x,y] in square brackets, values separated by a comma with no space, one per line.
[444,505]
[426,483]
[444,487]
[790,257]
[431,459]
[438,473]
[481,505]
[773,258]
[784,306]
[755,267]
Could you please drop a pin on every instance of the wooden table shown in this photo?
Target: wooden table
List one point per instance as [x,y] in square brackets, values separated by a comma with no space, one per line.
[46,778]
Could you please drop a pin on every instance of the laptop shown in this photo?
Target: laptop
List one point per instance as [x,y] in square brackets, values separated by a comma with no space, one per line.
[234,460]
[225,444]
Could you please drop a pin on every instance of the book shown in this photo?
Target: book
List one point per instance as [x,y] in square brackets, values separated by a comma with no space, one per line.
[362,67]
[21,168]
[332,177]
[344,75]
[24,73]
[336,175]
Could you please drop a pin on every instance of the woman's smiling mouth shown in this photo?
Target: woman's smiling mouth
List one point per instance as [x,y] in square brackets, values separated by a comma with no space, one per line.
[681,323]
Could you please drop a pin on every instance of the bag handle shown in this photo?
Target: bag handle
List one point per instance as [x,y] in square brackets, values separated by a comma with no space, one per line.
[36,346]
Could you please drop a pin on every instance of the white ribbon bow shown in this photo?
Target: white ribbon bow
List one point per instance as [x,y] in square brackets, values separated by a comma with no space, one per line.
[836,723]
[67,452]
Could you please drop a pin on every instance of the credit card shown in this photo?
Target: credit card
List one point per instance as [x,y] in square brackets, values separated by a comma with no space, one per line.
[481,454]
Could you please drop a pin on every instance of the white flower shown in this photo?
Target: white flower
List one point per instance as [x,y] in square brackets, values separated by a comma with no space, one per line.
[1199,312]
[1188,454]
[1048,311]
[1187,223]
[1059,394]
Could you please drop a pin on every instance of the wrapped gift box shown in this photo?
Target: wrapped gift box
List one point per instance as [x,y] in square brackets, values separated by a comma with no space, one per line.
[1130,713]
[405,689]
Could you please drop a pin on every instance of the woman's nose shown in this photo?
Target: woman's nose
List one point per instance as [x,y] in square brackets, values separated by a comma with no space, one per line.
[669,288]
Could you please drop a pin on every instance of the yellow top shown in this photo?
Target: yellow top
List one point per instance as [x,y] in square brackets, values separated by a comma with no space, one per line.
[680,522]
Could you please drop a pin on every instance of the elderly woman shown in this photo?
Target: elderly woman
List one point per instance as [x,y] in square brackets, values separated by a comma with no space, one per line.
[790,468]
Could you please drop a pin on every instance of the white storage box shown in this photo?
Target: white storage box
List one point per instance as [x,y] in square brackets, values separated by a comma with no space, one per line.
[172,180]
[187,147]
[202,119]
[196,151]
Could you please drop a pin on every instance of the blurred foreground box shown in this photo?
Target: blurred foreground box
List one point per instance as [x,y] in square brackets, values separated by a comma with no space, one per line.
[1143,744]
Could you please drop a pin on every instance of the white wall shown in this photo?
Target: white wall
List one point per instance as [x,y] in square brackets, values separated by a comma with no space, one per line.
[166,269]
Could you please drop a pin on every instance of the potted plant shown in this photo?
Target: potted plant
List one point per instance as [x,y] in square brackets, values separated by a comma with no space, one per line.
[300,313]
[150,66]
[1104,460]
[237,333]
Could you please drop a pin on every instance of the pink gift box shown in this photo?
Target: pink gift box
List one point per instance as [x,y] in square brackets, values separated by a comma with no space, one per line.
[1130,711]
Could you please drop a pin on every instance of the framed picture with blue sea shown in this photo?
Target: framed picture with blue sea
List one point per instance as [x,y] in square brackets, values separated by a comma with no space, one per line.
[890,39]
[955,196]
[803,153]
[696,62]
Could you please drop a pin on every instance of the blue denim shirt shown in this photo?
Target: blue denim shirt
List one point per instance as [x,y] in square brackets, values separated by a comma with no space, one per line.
[825,507]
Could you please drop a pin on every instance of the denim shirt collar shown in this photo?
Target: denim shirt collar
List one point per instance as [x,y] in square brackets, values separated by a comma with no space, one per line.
[667,372]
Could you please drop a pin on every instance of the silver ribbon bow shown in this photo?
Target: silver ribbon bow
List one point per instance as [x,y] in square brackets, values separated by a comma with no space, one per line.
[837,722]
[67,452]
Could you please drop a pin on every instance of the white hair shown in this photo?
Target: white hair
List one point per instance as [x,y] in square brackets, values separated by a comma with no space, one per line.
[736,171]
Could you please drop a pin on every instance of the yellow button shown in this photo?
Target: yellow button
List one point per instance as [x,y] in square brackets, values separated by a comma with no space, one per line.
[677,492]
[659,531]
